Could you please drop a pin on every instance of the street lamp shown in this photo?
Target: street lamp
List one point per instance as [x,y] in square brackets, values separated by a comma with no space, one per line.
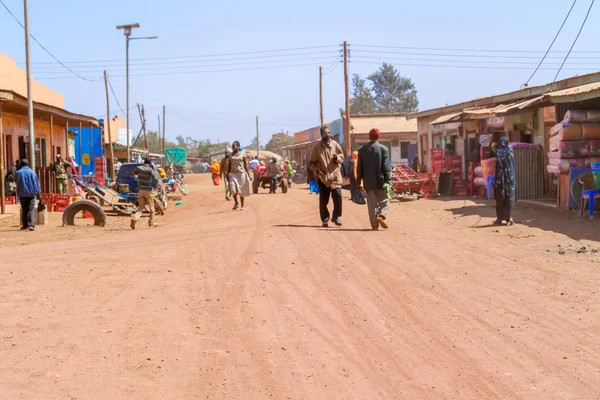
[127,31]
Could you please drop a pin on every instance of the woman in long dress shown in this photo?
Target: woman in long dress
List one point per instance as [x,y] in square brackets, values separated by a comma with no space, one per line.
[238,175]
[504,183]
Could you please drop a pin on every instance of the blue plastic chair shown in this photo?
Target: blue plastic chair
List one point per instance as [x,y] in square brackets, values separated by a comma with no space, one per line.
[589,193]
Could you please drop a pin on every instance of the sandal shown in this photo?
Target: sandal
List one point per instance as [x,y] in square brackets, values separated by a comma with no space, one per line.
[498,222]
[235,207]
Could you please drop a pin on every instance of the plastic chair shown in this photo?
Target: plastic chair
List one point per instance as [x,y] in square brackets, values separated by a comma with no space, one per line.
[589,193]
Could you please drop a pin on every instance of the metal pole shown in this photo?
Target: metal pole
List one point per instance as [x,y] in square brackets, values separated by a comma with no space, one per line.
[257,139]
[80,148]
[127,95]
[163,131]
[321,93]
[107,126]
[2,146]
[29,94]
[347,88]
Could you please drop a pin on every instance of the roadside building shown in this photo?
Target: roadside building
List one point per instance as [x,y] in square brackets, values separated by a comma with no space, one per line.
[398,134]
[51,122]
[299,151]
[524,116]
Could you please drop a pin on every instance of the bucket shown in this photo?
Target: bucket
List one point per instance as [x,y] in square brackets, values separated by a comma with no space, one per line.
[596,172]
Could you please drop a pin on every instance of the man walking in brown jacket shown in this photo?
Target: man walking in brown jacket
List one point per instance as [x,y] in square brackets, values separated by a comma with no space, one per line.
[326,157]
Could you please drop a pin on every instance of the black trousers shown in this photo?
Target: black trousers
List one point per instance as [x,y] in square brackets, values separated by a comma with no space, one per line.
[504,207]
[325,193]
[27,212]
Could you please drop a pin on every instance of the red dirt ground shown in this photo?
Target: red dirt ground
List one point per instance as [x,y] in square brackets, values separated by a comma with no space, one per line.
[264,304]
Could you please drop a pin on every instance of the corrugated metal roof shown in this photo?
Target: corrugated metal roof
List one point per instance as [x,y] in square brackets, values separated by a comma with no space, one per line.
[590,87]
[444,119]
[518,105]
[385,123]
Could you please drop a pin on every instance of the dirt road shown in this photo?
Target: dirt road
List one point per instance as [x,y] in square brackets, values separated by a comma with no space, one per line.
[261,304]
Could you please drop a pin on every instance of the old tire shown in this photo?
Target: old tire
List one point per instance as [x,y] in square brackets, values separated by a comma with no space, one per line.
[284,186]
[255,184]
[84,205]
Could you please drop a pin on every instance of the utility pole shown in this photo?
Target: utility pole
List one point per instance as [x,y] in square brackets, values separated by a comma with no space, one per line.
[321,94]
[347,88]
[2,147]
[29,94]
[107,125]
[163,131]
[257,140]
[159,136]
[144,128]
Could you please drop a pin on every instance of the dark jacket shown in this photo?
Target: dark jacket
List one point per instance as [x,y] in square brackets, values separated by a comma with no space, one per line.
[27,183]
[373,166]
[145,175]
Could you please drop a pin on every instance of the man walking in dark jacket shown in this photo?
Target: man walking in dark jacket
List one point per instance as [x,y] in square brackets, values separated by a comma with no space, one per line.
[28,189]
[374,171]
[145,177]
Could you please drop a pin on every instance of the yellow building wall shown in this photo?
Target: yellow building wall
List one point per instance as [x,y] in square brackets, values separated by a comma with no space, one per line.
[15,79]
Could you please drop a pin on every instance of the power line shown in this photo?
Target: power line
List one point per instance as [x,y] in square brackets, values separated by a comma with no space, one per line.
[114,95]
[551,44]
[203,55]
[121,63]
[470,61]
[575,41]
[468,55]
[196,72]
[44,48]
[200,66]
[490,67]
[467,50]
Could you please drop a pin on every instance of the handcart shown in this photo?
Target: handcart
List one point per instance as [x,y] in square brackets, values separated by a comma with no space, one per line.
[123,203]
[406,182]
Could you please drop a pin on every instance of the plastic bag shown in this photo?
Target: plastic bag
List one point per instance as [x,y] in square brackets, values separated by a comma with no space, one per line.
[359,197]
[42,216]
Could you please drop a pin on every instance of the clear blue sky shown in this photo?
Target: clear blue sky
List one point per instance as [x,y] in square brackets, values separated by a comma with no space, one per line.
[221,105]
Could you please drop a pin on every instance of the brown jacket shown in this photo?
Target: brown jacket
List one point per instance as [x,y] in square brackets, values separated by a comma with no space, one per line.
[323,165]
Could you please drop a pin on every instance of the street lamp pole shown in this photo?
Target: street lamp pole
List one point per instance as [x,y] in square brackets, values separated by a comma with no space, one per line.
[127,31]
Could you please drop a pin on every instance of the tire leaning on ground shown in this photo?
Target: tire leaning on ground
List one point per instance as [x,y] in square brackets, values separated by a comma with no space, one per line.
[255,183]
[84,205]
[284,185]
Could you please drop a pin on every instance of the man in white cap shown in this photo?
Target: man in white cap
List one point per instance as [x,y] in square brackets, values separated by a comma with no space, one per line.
[59,167]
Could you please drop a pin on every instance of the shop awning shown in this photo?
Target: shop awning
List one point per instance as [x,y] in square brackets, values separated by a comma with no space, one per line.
[445,119]
[574,94]
[520,105]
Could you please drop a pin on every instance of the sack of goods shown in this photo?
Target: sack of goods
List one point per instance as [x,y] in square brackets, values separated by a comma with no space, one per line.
[42,214]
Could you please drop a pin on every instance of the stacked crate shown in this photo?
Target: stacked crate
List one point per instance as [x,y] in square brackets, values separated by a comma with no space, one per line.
[437,160]
[100,169]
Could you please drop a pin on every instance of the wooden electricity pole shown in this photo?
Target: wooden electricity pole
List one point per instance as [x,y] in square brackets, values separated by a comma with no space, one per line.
[347,87]
[107,125]
[163,131]
[321,93]
[257,140]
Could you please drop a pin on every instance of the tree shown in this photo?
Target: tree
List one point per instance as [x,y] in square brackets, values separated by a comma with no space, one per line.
[362,101]
[252,145]
[388,92]
[154,142]
[278,141]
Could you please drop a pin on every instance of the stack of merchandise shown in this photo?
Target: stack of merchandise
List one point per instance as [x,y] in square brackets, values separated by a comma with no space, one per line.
[100,172]
[454,165]
[437,160]
[471,177]
[575,142]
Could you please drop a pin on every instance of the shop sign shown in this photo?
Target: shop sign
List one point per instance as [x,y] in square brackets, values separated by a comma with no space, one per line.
[495,121]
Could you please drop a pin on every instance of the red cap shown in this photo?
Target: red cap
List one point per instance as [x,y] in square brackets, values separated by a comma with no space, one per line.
[374,134]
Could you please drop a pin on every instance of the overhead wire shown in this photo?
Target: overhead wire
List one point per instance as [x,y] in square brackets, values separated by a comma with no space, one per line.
[551,44]
[44,48]
[466,49]
[575,41]
[114,94]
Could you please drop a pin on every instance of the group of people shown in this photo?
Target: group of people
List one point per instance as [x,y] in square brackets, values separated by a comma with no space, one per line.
[21,181]
[370,169]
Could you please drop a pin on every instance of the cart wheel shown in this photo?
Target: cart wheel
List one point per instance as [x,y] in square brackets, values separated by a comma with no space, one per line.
[255,184]
[84,205]
[94,198]
[158,206]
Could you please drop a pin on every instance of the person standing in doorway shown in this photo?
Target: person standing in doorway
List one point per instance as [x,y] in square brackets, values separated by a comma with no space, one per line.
[374,171]
[325,159]
[28,189]
[145,175]
[238,175]
[59,167]
[224,168]
[504,183]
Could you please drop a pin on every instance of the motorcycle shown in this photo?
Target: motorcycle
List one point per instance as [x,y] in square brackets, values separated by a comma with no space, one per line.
[176,183]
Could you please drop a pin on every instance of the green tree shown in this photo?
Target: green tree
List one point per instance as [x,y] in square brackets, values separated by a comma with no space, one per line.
[278,141]
[154,142]
[252,145]
[387,92]
[362,101]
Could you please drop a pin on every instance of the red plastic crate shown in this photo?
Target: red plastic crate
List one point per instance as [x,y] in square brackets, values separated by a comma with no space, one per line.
[10,200]
[48,200]
[61,202]
[437,154]
[437,166]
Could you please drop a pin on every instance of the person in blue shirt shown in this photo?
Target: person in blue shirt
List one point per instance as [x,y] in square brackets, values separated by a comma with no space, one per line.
[28,189]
